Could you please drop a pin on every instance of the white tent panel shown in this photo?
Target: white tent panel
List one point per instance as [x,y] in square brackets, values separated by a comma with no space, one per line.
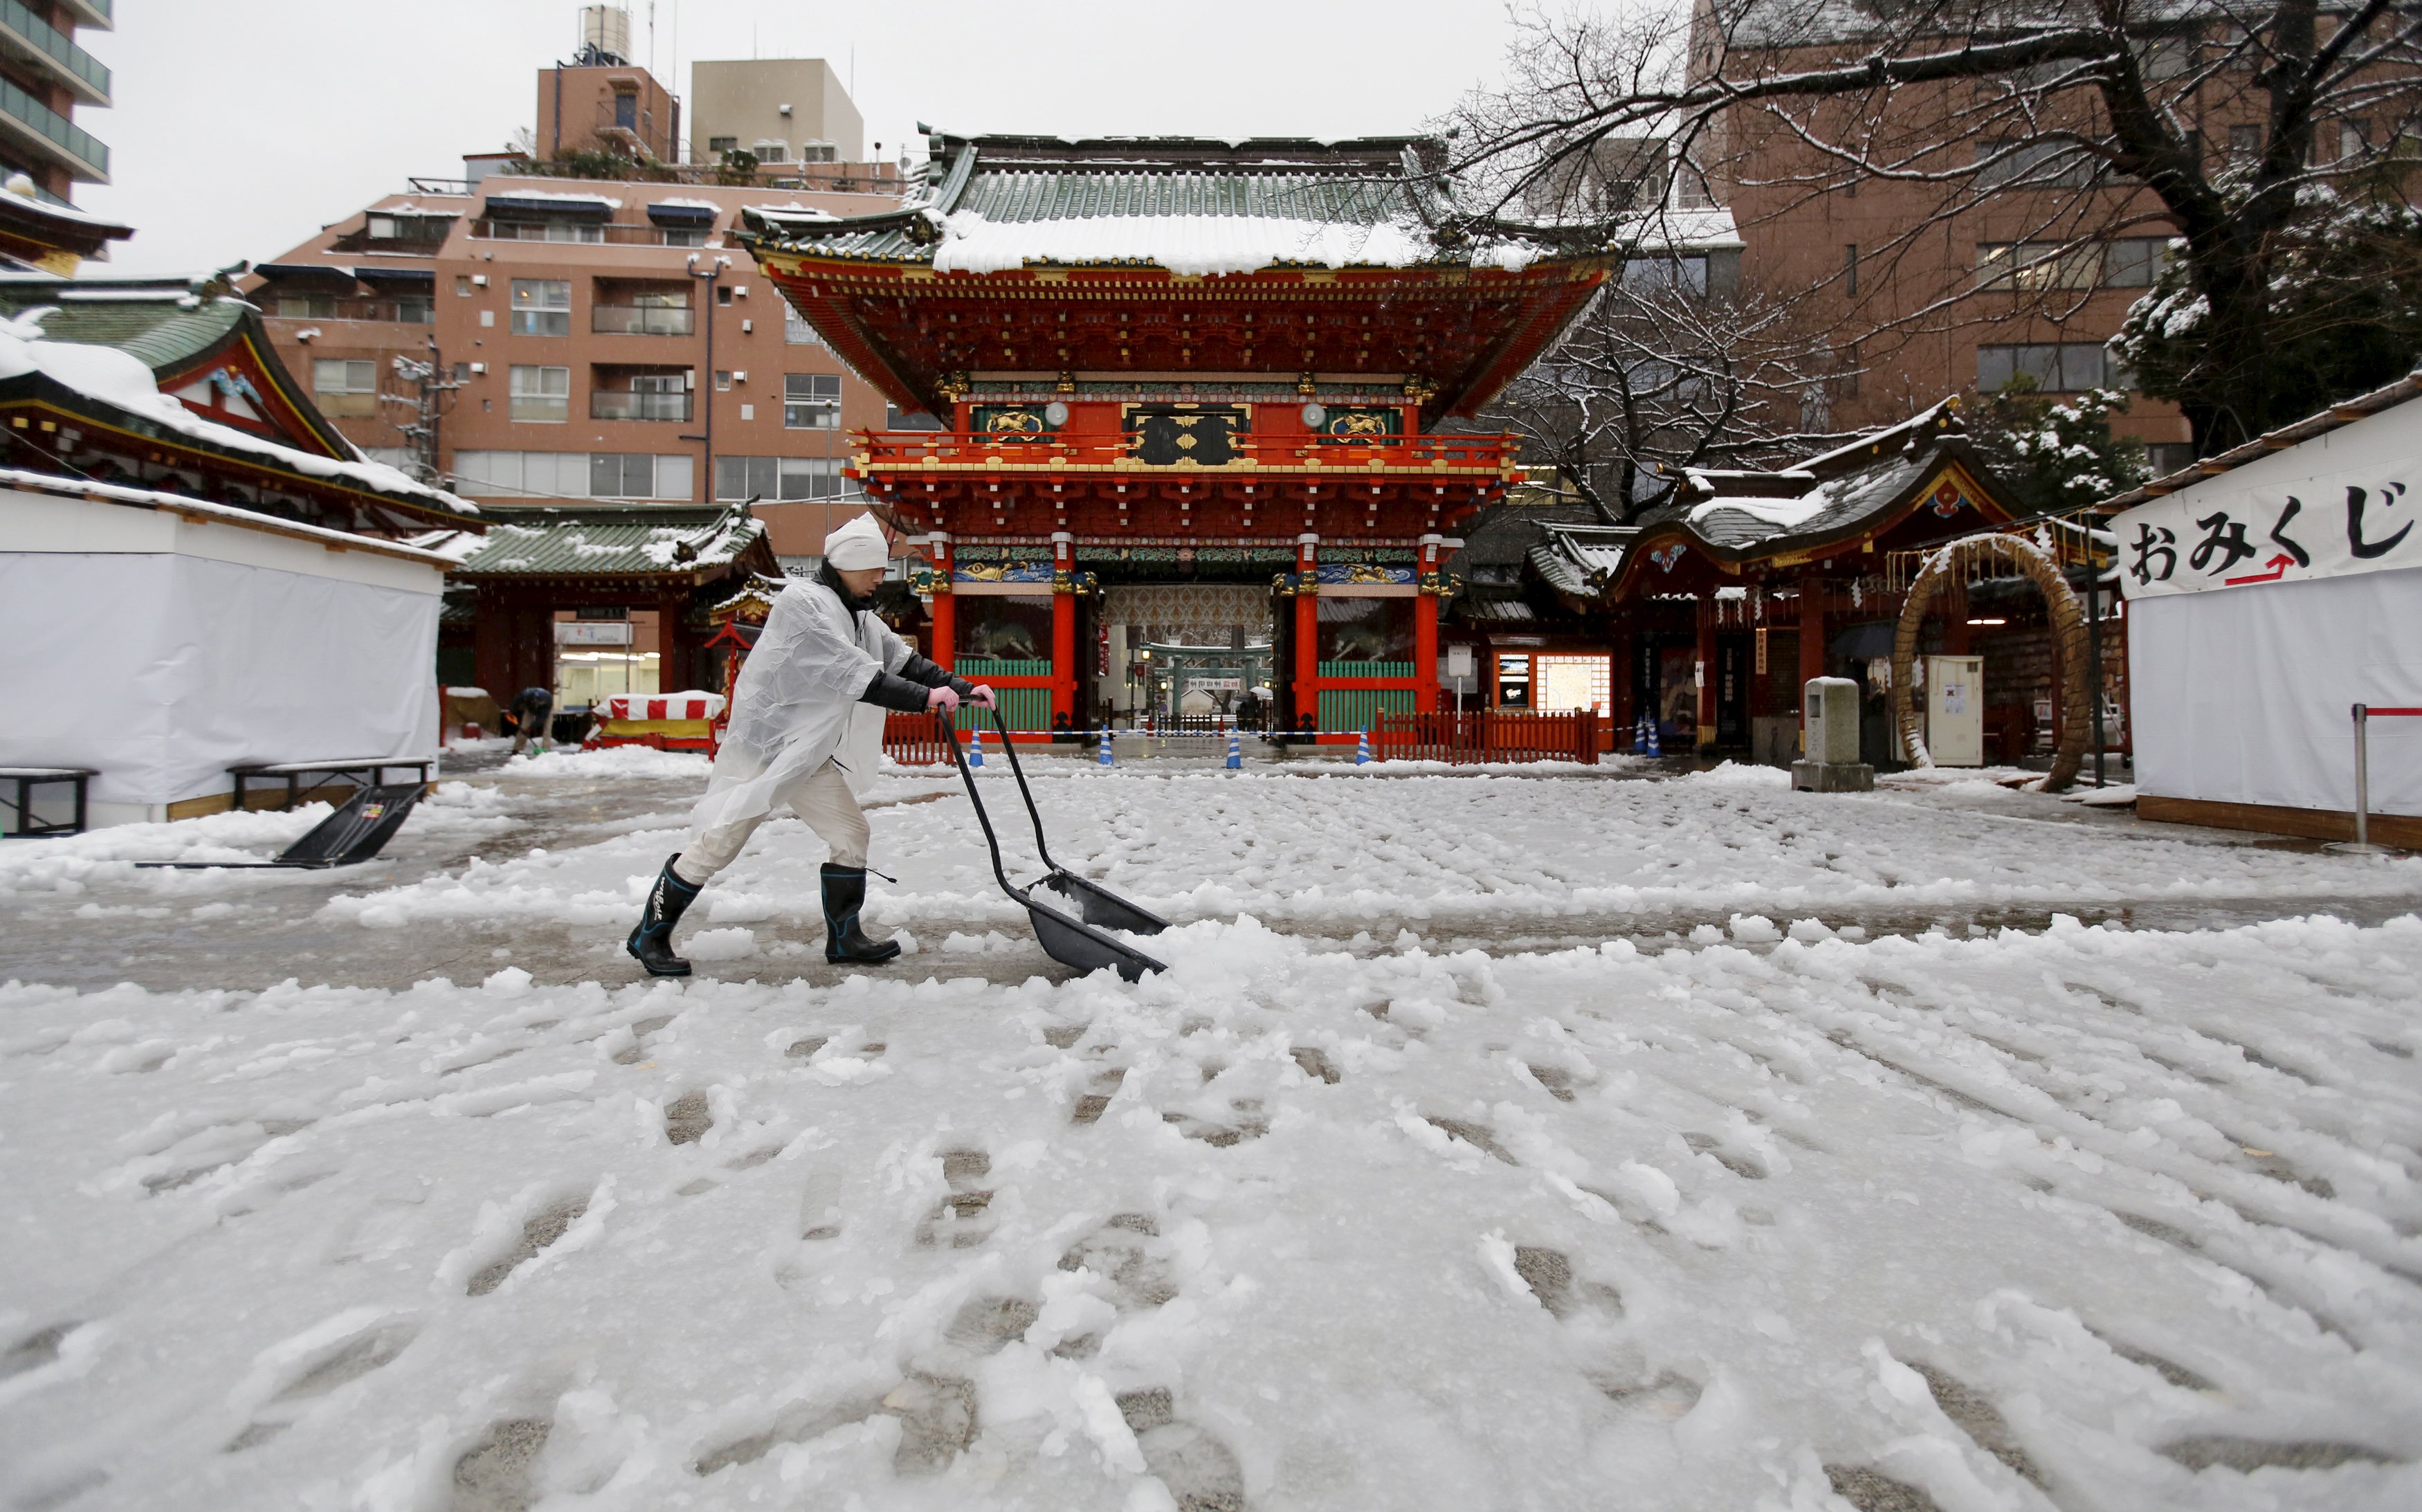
[2245,696]
[161,671]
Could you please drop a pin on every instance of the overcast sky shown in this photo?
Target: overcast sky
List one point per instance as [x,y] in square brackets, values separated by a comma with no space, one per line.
[243,126]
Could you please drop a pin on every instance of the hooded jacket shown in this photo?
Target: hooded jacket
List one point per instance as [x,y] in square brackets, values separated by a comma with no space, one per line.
[814,688]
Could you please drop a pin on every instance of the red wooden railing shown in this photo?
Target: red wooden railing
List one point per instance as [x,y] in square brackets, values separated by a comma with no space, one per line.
[1468,739]
[911,740]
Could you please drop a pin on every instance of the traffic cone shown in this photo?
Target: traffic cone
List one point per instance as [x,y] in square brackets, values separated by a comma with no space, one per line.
[975,748]
[1640,735]
[1105,746]
[1363,748]
[1236,751]
[1655,746]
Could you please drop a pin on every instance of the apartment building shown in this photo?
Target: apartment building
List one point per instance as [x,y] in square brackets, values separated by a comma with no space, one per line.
[779,111]
[44,75]
[2031,273]
[602,341]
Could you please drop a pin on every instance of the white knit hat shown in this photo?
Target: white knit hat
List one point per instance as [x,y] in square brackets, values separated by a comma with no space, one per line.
[858,545]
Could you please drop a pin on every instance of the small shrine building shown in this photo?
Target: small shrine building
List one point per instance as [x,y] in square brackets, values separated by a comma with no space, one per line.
[1191,392]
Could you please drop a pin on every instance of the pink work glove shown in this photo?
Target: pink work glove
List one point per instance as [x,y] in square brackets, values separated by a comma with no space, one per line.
[982,694]
[942,699]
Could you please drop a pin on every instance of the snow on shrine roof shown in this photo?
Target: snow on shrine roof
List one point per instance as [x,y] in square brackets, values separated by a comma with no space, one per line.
[1190,205]
[631,541]
[1830,495]
[224,514]
[121,379]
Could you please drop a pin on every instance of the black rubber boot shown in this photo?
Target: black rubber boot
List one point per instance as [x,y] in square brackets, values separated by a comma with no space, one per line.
[844,942]
[651,943]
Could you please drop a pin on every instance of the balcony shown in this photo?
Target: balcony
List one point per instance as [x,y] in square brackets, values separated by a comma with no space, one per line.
[606,405]
[45,131]
[30,39]
[641,320]
[97,14]
[591,233]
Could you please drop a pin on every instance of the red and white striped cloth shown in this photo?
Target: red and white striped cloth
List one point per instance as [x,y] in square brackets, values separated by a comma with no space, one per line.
[661,706]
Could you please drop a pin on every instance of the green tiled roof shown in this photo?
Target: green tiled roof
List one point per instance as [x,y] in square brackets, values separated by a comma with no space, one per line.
[1364,181]
[612,540]
[166,327]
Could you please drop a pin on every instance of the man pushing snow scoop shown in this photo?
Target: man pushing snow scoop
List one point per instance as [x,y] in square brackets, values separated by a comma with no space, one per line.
[805,733]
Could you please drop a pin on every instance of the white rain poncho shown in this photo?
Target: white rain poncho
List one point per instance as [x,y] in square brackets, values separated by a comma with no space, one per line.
[795,704]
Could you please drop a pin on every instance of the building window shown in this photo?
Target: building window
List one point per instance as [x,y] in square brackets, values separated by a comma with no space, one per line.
[717,145]
[575,475]
[417,309]
[541,306]
[2166,457]
[2128,262]
[2056,368]
[782,478]
[345,386]
[1649,274]
[2245,143]
[771,151]
[811,401]
[542,395]
[684,236]
[463,285]
[306,307]
[819,152]
[723,380]
[797,332]
[2005,163]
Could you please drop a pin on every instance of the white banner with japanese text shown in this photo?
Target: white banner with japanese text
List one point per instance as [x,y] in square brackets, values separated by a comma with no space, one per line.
[2346,501]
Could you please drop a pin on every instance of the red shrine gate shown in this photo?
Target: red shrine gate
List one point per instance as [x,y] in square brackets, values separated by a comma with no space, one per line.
[1177,374]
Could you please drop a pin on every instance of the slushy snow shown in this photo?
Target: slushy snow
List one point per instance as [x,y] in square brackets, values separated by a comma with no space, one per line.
[1800,1200]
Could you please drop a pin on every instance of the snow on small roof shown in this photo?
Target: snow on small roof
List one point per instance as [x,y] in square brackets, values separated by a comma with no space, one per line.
[687,204]
[226,513]
[792,211]
[1786,512]
[580,200]
[121,380]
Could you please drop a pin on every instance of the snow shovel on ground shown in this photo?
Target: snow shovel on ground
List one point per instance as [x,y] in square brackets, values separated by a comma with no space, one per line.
[1070,941]
[359,829]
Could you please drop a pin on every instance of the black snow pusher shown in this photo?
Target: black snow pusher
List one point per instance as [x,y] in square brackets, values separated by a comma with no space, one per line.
[1070,941]
[359,829]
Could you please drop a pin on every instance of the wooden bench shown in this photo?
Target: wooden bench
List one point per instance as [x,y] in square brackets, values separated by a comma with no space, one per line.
[361,772]
[17,784]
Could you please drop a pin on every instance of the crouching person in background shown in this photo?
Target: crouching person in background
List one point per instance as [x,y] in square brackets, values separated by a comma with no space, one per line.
[806,734]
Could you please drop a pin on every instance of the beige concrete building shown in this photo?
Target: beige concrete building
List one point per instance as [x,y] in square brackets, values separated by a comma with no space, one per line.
[604,342]
[784,110]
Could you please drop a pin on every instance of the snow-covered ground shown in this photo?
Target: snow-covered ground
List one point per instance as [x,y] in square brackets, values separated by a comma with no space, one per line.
[1493,1141]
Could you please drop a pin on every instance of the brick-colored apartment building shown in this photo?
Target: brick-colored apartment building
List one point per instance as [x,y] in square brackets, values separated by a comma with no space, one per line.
[1931,283]
[609,340]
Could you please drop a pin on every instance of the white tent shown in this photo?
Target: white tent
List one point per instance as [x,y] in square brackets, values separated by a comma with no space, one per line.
[160,639]
[2268,592]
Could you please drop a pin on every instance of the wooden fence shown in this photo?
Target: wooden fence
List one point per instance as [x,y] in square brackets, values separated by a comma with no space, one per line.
[1468,739]
[911,740]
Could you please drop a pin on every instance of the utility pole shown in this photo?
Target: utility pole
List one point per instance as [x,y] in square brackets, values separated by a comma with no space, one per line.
[434,387]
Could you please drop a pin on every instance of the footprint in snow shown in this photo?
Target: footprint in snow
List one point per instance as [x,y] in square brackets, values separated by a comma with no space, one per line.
[1708,1144]
[494,1475]
[687,1118]
[1201,1472]
[1978,1418]
[937,1420]
[540,1230]
[960,1222]
[1128,1253]
[1872,1491]
[1549,1273]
